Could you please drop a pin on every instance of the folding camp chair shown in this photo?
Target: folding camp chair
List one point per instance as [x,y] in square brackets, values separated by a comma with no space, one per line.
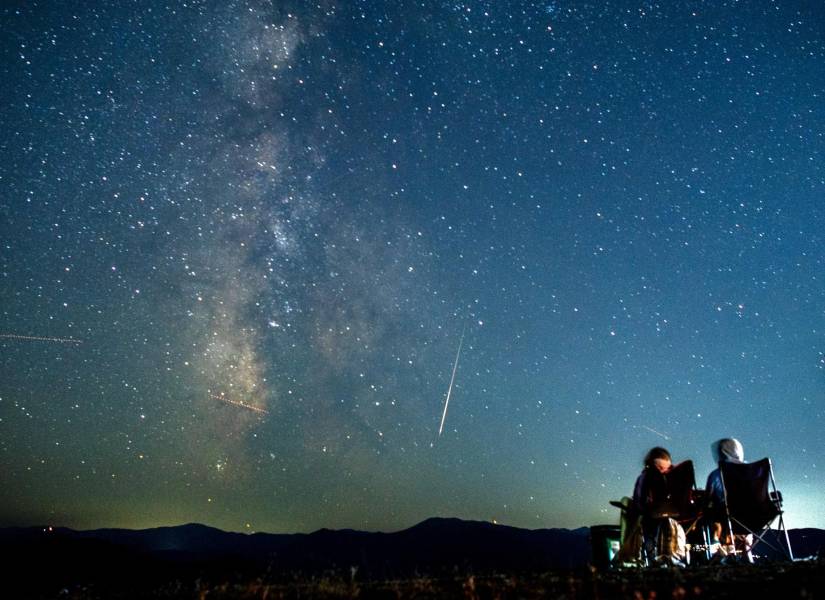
[671,495]
[753,504]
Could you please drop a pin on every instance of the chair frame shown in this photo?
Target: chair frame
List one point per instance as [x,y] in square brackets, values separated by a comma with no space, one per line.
[775,497]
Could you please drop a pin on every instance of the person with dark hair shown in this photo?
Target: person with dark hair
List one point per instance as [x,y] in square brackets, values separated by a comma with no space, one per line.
[663,537]
[649,534]
[657,462]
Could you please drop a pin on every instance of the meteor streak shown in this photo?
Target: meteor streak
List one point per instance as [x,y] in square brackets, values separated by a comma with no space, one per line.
[452,380]
[223,398]
[659,433]
[36,338]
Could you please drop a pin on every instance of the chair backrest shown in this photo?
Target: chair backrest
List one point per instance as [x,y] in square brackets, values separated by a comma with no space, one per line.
[747,489]
[670,494]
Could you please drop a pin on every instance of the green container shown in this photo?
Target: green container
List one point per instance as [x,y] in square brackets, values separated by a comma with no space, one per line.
[605,541]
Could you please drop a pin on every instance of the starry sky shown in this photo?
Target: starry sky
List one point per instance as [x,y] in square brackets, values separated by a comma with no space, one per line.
[241,242]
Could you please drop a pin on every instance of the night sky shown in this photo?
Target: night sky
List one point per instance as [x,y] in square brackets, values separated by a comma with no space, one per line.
[240,243]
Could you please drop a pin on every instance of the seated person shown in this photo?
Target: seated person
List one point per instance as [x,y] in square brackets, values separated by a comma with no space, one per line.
[663,536]
[728,450]
[724,450]
[657,462]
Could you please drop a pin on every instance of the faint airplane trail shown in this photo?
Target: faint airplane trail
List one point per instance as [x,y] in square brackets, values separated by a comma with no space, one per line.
[37,338]
[223,398]
[452,380]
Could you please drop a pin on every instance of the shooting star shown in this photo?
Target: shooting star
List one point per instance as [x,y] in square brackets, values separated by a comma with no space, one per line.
[452,381]
[651,430]
[36,338]
[223,398]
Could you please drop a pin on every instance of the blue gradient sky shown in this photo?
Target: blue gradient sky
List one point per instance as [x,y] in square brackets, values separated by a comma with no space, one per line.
[260,228]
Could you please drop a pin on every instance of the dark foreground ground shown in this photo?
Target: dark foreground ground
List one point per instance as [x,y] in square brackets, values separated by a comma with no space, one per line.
[797,580]
[438,558]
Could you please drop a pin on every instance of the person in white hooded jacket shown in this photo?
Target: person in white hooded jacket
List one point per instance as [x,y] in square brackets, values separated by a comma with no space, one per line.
[724,450]
[728,450]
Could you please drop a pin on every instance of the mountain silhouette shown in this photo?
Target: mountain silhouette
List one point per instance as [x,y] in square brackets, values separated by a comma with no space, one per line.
[437,545]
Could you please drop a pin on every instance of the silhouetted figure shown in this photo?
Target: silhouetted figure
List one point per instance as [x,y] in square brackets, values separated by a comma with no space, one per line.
[654,532]
[731,451]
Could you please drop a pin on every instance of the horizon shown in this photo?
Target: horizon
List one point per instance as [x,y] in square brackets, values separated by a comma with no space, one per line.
[283,267]
[249,531]
[51,527]
[45,527]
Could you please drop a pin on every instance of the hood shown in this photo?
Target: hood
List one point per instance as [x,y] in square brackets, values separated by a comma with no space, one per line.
[727,450]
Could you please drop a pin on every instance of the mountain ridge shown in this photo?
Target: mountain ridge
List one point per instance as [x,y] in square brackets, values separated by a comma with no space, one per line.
[437,544]
[433,544]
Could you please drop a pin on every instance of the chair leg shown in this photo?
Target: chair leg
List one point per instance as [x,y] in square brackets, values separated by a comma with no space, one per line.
[649,547]
[787,539]
[706,540]
[730,533]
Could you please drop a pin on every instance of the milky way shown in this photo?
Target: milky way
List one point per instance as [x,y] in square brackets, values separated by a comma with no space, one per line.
[241,241]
